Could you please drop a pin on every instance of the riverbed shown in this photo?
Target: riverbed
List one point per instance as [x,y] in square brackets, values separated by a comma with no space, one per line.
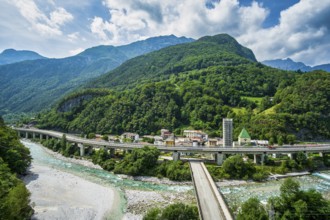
[66,188]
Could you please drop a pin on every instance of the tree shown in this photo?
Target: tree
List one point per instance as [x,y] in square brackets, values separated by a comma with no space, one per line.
[178,211]
[252,210]
[293,203]
[236,168]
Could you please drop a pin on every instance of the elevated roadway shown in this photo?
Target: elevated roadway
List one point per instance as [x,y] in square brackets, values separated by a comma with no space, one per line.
[211,204]
[199,149]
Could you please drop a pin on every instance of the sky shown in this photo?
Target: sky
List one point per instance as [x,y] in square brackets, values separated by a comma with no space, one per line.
[271,28]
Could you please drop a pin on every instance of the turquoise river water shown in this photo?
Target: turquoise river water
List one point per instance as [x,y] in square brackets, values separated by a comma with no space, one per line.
[234,195]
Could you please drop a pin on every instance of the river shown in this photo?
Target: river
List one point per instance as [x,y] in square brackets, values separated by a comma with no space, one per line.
[141,194]
[131,189]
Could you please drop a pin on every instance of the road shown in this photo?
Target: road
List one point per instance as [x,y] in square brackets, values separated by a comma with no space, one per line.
[210,207]
[199,149]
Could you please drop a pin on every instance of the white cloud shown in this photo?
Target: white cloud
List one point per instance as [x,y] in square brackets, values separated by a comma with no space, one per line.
[76,51]
[302,27]
[131,20]
[302,34]
[40,22]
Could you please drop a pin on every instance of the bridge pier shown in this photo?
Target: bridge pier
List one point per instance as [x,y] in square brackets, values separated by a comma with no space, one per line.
[219,158]
[47,137]
[176,156]
[40,136]
[82,149]
[112,152]
[321,154]
[290,156]
[263,158]
[255,158]
[33,135]
[26,135]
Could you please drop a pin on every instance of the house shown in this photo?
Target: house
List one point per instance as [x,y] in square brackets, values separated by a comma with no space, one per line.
[196,135]
[164,133]
[129,136]
[212,143]
[170,142]
[244,138]
[158,141]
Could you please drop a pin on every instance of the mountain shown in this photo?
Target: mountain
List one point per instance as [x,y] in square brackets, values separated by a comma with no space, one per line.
[31,86]
[192,85]
[12,56]
[289,64]
[205,52]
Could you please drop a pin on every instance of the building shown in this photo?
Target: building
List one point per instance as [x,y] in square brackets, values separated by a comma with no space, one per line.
[227,132]
[212,143]
[244,138]
[131,136]
[195,135]
[164,133]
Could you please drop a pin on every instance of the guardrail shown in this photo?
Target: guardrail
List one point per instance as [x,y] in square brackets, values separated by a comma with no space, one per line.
[221,201]
[200,211]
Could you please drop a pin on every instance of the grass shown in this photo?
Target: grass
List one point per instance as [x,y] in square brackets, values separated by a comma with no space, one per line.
[239,110]
[270,110]
[256,100]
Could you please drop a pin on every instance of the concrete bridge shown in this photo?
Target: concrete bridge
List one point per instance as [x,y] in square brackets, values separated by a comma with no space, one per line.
[211,204]
[219,152]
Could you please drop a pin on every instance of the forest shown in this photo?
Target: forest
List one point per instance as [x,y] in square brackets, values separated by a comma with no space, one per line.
[14,160]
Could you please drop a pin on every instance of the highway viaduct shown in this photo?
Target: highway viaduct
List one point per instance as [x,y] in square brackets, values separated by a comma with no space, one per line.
[218,151]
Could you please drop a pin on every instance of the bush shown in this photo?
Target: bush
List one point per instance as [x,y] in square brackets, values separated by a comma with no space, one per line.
[178,211]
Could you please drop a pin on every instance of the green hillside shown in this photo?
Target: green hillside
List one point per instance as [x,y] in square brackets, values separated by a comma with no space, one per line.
[32,86]
[220,50]
[207,82]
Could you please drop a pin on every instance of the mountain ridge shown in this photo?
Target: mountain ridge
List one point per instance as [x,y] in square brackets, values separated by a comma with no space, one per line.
[10,56]
[33,85]
[289,64]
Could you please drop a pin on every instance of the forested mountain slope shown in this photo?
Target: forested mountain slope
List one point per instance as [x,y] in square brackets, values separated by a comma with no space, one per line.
[14,160]
[219,50]
[31,86]
[195,85]
[12,56]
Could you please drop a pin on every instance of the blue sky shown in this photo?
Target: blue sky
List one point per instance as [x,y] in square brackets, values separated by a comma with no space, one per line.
[271,28]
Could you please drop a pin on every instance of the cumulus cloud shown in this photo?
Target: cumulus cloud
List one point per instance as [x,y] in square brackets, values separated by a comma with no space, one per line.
[299,32]
[302,34]
[46,25]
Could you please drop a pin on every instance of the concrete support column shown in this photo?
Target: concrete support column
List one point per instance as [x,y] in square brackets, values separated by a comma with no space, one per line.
[26,135]
[82,149]
[47,137]
[112,152]
[274,155]
[219,158]
[34,135]
[321,154]
[40,136]
[290,155]
[262,158]
[176,156]
[255,158]
[90,150]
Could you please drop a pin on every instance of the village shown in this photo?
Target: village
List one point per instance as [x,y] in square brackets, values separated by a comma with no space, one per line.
[194,138]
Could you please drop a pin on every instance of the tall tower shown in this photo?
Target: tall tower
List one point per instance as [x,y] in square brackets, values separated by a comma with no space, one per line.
[227,127]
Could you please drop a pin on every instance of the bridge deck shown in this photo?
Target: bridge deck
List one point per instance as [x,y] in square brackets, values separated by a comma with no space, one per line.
[200,149]
[210,203]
